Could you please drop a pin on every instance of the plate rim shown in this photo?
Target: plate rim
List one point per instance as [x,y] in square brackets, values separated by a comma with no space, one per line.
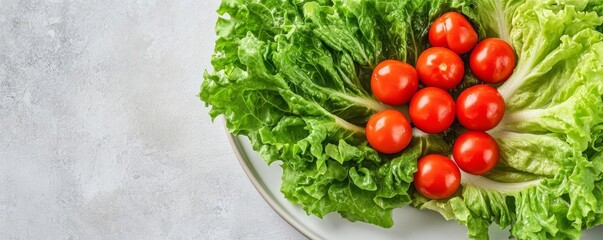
[260,187]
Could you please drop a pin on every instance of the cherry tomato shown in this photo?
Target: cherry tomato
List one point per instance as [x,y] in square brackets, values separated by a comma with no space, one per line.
[388,131]
[476,152]
[437,177]
[432,110]
[453,31]
[492,60]
[440,67]
[394,82]
[480,108]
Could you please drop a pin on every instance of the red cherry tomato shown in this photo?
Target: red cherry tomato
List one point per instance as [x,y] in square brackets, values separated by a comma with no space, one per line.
[432,110]
[480,108]
[394,82]
[437,177]
[492,60]
[388,131]
[452,30]
[440,67]
[476,152]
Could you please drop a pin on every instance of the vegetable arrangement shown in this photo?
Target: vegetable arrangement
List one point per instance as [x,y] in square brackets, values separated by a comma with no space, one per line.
[295,77]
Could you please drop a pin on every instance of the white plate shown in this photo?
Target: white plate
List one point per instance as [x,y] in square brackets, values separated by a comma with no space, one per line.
[409,223]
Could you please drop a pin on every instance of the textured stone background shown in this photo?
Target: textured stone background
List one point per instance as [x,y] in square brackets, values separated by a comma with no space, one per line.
[101,133]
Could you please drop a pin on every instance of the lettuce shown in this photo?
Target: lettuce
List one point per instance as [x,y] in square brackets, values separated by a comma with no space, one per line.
[292,75]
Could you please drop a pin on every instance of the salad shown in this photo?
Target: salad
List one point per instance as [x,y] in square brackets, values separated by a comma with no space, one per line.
[298,78]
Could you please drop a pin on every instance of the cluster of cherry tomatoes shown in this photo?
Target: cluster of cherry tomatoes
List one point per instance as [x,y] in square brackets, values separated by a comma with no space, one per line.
[433,110]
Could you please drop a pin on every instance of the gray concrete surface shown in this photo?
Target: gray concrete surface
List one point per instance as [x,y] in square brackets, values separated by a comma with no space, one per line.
[101,134]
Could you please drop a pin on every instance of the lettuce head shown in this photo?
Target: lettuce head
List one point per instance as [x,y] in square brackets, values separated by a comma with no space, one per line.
[293,76]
